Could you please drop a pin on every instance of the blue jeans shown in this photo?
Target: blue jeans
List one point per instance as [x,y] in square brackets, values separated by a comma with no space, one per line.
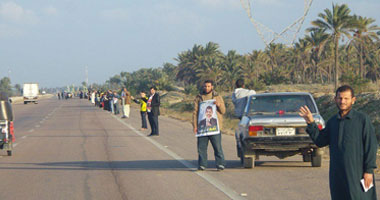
[216,142]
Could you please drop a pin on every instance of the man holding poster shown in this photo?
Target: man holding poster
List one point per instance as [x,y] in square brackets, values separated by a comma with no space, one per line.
[207,122]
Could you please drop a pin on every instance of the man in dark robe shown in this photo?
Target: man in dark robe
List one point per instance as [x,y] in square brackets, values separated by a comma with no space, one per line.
[353,147]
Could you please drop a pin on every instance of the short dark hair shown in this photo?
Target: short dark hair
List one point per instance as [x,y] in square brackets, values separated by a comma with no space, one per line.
[209,108]
[142,91]
[153,87]
[239,83]
[344,88]
[209,81]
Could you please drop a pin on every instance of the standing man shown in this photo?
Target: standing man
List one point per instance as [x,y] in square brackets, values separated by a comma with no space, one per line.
[110,101]
[153,109]
[125,102]
[353,147]
[208,93]
[239,97]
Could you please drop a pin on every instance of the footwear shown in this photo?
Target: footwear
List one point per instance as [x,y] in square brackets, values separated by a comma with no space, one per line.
[201,168]
[220,167]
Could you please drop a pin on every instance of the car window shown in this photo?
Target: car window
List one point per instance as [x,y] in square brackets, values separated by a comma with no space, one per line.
[275,103]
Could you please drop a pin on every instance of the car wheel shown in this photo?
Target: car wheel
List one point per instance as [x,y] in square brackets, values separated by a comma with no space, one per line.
[306,158]
[248,162]
[316,158]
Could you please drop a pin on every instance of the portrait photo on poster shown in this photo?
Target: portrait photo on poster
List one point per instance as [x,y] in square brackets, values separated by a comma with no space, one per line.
[207,119]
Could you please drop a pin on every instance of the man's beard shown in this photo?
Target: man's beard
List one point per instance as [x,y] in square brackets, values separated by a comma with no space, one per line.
[347,109]
[207,92]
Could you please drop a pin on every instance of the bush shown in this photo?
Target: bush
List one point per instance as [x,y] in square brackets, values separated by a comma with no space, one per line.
[191,89]
[357,83]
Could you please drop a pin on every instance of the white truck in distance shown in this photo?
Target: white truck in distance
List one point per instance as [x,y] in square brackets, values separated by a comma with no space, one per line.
[30,92]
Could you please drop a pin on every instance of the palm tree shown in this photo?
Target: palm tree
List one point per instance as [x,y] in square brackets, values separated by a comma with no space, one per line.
[231,65]
[302,53]
[317,39]
[364,33]
[338,23]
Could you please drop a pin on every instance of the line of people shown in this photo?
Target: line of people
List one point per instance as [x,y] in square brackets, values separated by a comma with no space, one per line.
[116,102]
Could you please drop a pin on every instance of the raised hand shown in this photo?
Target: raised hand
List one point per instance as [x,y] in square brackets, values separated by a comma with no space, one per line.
[305,113]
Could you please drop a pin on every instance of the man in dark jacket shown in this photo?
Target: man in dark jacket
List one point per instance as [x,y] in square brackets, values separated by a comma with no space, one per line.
[353,147]
[153,109]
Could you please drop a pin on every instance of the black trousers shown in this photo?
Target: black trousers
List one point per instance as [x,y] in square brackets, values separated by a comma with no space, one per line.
[143,119]
[153,121]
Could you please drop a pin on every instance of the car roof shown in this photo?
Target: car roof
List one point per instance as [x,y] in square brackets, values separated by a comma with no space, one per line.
[281,93]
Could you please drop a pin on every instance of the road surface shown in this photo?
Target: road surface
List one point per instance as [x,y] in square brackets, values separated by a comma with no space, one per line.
[69,149]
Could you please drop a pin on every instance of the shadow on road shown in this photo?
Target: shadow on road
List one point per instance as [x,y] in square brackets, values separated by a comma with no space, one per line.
[159,165]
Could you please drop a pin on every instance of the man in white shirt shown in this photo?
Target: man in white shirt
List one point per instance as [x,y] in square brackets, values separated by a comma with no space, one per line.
[239,97]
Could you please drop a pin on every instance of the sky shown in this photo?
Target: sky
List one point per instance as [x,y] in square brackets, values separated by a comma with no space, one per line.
[52,41]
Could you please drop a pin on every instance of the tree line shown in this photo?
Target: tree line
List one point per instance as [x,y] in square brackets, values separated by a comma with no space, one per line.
[337,47]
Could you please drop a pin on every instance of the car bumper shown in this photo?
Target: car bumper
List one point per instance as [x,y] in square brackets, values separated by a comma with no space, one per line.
[277,143]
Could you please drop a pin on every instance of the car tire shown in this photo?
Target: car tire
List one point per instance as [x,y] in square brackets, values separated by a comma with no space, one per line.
[306,158]
[316,158]
[25,102]
[248,162]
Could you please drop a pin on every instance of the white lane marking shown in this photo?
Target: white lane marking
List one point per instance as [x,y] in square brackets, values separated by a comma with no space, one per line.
[213,181]
[37,126]
[31,130]
[15,144]
[23,137]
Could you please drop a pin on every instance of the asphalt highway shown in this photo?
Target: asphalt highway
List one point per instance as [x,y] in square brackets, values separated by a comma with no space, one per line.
[69,149]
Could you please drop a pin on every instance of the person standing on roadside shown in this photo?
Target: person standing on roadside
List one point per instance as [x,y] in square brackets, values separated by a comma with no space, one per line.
[116,98]
[208,93]
[142,101]
[153,109]
[353,146]
[110,101]
[125,103]
[239,97]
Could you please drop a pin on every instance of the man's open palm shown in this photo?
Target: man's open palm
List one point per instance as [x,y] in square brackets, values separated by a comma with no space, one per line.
[306,114]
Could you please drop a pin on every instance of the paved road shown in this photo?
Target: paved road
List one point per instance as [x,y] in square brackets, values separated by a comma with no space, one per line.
[69,149]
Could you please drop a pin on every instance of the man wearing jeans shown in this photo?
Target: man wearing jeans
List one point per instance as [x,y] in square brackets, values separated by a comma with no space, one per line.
[216,140]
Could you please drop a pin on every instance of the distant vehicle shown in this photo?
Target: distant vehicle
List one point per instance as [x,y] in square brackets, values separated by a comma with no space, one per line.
[43,92]
[30,92]
[271,126]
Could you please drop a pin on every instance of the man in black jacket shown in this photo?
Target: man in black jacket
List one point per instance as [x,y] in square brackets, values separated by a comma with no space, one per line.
[153,109]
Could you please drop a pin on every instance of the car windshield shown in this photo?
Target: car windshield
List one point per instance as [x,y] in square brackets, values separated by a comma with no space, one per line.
[279,103]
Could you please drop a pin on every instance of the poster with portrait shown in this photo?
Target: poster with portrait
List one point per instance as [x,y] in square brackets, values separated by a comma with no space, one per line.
[207,119]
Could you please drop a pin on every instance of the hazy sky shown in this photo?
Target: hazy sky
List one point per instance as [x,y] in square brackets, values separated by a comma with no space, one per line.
[51,41]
